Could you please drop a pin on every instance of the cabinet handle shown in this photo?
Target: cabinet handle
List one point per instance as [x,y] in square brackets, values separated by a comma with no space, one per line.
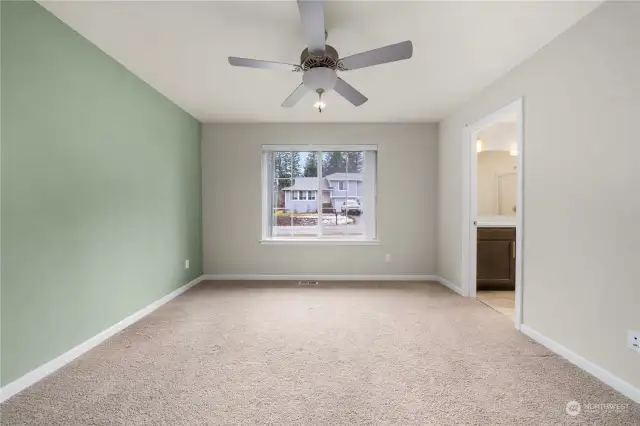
[513,250]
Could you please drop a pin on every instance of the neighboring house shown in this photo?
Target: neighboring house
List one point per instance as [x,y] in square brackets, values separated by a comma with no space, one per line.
[301,197]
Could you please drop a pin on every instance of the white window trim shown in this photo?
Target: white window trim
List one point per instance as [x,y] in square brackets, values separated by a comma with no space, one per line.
[295,196]
[325,148]
[301,194]
[370,195]
[320,241]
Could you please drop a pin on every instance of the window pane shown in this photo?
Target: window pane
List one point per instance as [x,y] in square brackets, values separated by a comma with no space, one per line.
[334,168]
[296,194]
[343,172]
[282,168]
[297,215]
[355,192]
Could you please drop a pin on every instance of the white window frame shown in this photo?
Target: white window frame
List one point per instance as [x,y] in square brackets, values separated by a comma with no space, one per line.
[369,204]
[311,194]
[303,196]
[295,196]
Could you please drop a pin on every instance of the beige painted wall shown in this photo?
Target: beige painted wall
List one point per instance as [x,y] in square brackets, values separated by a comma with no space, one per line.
[407,195]
[581,185]
[496,168]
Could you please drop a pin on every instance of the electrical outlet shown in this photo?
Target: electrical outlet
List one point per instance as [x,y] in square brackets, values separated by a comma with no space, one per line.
[186,264]
[633,340]
[387,258]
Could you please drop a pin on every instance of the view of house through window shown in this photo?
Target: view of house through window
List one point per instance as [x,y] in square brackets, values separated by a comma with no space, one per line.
[318,193]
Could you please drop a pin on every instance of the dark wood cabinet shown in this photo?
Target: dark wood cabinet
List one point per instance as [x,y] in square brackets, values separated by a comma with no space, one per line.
[496,259]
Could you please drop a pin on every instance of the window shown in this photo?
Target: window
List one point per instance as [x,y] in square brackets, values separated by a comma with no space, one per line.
[315,210]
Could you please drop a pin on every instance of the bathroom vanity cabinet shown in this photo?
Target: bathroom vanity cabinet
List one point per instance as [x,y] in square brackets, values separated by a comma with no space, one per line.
[496,258]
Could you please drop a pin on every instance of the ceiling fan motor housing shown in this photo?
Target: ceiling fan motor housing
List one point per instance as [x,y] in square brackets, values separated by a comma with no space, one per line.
[328,60]
[319,71]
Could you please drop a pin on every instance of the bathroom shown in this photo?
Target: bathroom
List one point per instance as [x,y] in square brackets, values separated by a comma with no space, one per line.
[496,179]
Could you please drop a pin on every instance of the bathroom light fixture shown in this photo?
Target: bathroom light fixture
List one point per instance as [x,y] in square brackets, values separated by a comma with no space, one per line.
[513,151]
[479,146]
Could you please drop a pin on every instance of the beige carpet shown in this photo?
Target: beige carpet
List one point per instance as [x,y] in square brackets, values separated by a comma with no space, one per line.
[345,354]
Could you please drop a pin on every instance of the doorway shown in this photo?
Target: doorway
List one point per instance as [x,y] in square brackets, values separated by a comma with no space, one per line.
[493,210]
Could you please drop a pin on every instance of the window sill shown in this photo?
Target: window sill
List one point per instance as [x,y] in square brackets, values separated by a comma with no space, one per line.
[319,242]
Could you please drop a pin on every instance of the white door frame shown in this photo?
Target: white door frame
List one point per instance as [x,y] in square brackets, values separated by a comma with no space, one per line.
[469,204]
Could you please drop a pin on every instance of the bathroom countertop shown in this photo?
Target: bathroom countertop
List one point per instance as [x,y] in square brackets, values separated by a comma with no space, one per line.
[496,221]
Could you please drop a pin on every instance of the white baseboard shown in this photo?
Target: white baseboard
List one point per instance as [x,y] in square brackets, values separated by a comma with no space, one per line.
[320,277]
[44,370]
[450,285]
[625,388]
[333,277]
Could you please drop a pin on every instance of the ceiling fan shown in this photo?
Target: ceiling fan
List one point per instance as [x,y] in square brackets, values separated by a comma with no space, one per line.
[319,62]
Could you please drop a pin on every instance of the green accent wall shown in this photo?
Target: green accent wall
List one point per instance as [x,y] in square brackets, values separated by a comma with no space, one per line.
[101,190]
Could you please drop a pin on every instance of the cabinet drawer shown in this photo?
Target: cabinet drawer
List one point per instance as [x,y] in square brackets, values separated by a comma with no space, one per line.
[496,234]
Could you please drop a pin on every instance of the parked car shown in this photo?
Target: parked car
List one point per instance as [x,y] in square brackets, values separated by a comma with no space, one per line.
[351,207]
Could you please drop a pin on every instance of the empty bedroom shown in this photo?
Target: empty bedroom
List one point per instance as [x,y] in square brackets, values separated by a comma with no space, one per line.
[319,212]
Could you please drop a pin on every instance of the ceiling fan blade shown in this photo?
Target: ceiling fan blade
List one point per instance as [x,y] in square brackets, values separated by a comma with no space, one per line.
[295,96]
[255,63]
[312,17]
[381,55]
[349,93]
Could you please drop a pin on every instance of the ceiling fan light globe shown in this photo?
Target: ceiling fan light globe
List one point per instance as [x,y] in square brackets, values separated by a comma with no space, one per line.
[320,78]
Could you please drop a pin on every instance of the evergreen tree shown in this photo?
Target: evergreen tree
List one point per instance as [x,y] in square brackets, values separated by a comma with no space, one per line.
[333,162]
[296,167]
[355,161]
[311,165]
[283,168]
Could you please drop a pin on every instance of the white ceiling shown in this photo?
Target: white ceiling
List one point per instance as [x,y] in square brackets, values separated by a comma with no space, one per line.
[181,47]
